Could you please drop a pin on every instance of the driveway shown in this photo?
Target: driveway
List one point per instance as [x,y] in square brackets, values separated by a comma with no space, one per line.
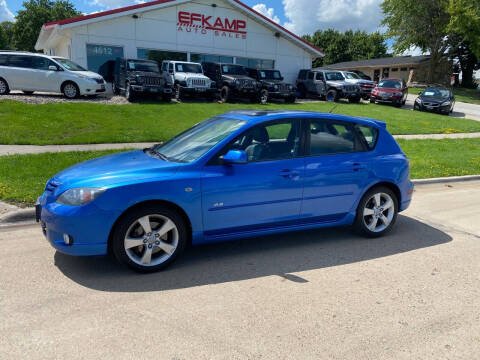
[461,109]
[325,294]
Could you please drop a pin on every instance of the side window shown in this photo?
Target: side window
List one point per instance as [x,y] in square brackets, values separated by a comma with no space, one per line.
[21,61]
[331,138]
[369,134]
[302,75]
[3,60]
[41,63]
[310,75]
[164,66]
[319,76]
[280,140]
[170,68]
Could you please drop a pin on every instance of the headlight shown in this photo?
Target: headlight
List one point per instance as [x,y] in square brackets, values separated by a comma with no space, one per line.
[399,93]
[275,87]
[79,196]
[446,103]
[236,82]
[140,79]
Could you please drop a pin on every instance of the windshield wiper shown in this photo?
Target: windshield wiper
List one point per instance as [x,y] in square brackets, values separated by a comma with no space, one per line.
[156,153]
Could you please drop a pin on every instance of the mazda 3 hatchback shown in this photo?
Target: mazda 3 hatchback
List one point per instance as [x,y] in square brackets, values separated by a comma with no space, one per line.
[241,174]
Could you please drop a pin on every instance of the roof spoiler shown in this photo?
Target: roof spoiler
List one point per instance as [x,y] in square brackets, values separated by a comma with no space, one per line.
[380,123]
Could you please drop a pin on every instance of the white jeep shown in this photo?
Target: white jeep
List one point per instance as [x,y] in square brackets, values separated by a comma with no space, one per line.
[188,79]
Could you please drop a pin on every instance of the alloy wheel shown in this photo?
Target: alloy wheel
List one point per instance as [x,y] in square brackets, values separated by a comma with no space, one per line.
[151,240]
[378,212]
[70,90]
[3,87]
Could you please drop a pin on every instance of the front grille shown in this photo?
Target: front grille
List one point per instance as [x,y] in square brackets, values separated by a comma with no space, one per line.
[283,87]
[99,81]
[430,104]
[350,88]
[153,81]
[198,82]
[246,83]
[51,185]
[367,86]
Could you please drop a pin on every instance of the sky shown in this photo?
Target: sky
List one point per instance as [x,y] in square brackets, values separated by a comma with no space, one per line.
[299,16]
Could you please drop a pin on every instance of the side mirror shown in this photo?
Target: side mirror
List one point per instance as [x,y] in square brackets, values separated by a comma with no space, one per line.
[420,92]
[235,157]
[53,68]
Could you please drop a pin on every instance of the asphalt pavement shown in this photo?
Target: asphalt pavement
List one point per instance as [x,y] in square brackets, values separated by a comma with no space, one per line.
[324,294]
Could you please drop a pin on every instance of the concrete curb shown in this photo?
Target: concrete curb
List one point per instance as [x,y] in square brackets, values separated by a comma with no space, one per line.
[27,216]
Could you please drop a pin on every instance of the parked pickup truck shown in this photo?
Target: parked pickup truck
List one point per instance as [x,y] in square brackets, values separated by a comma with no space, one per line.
[137,77]
[366,86]
[232,81]
[328,84]
[188,79]
[273,86]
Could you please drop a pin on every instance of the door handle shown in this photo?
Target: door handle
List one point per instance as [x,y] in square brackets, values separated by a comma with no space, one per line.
[288,174]
[358,166]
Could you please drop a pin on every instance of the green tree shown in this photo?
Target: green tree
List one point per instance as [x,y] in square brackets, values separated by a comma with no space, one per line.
[465,21]
[461,50]
[347,46]
[418,23]
[35,13]
[6,35]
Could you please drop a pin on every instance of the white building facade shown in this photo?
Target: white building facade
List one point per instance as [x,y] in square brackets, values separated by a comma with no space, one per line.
[192,30]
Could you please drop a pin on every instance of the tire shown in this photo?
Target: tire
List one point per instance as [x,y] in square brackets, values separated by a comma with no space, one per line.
[263,99]
[70,90]
[129,93]
[178,92]
[225,94]
[372,101]
[115,89]
[4,89]
[302,91]
[133,247]
[332,94]
[27,92]
[369,221]
[354,100]
[167,98]
[290,99]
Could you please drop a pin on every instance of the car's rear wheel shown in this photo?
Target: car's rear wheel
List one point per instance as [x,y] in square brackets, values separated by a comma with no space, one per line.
[70,90]
[376,212]
[4,89]
[150,238]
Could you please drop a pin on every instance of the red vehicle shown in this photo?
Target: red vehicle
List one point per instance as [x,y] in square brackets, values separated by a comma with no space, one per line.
[390,91]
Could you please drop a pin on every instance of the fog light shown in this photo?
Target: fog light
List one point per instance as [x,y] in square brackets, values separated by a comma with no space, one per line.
[67,239]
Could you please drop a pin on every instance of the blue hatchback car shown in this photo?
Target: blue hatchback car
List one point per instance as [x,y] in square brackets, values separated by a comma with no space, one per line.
[241,174]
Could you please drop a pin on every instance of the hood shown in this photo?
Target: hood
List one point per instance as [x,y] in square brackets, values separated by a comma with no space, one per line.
[113,169]
[193,75]
[433,99]
[145,73]
[233,77]
[89,74]
[336,83]
[390,90]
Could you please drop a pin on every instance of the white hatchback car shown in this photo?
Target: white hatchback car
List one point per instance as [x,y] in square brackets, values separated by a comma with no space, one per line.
[31,72]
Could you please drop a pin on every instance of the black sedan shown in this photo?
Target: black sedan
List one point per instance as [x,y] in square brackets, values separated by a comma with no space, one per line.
[439,100]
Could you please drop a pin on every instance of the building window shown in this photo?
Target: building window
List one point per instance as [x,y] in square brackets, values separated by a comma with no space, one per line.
[160,55]
[256,63]
[394,69]
[403,69]
[211,58]
[100,58]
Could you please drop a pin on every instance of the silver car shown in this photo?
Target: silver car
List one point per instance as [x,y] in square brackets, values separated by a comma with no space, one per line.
[31,72]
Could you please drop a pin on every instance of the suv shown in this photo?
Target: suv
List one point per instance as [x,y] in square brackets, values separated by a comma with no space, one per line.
[273,86]
[327,84]
[135,77]
[188,79]
[232,81]
[31,72]
[366,86]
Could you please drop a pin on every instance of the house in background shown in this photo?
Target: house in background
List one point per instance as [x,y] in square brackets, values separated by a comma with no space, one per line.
[412,69]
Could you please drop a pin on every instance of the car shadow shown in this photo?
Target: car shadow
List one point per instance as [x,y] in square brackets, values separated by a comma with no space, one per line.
[279,255]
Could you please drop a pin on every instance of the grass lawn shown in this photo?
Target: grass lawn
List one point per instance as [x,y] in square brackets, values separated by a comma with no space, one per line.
[83,123]
[23,177]
[471,96]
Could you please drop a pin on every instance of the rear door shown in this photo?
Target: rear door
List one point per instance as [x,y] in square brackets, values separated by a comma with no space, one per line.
[21,72]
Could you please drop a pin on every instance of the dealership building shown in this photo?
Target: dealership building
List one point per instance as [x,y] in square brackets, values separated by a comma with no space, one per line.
[190,30]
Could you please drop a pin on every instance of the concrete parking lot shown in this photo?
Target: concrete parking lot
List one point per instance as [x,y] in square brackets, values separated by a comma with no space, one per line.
[325,294]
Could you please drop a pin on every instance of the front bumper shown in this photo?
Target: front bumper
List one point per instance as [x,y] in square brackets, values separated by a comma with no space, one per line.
[88,226]
[391,99]
[91,88]
[282,94]
[151,89]
[443,109]
[199,91]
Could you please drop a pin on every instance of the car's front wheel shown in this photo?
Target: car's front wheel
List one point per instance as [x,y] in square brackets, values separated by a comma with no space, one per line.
[4,89]
[129,93]
[150,238]
[225,94]
[70,90]
[376,212]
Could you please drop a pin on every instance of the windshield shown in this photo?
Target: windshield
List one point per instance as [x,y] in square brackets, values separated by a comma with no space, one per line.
[436,92]
[233,70]
[147,66]
[350,75]
[69,65]
[391,84]
[190,68]
[193,143]
[334,76]
[270,74]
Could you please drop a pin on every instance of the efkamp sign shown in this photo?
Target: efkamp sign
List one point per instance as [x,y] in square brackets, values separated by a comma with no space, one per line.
[202,24]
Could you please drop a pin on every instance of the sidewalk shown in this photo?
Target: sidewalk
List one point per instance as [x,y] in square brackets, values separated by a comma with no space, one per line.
[36,149]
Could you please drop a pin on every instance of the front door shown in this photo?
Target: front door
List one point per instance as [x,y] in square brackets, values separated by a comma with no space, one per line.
[265,192]
[335,171]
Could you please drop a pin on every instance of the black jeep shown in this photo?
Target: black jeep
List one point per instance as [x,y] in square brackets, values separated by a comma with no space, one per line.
[232,81]
[273,86]
[140,77]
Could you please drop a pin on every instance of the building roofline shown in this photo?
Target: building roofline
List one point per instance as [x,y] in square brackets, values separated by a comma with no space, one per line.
[161,2]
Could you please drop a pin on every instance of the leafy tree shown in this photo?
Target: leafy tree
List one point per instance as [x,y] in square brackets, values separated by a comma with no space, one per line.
[6,35]
[347,46]
[35,13]
[465,21]
[461,50]
[418,23]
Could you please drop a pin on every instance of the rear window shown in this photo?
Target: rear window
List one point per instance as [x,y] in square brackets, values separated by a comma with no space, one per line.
[369,134]
[21,61]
